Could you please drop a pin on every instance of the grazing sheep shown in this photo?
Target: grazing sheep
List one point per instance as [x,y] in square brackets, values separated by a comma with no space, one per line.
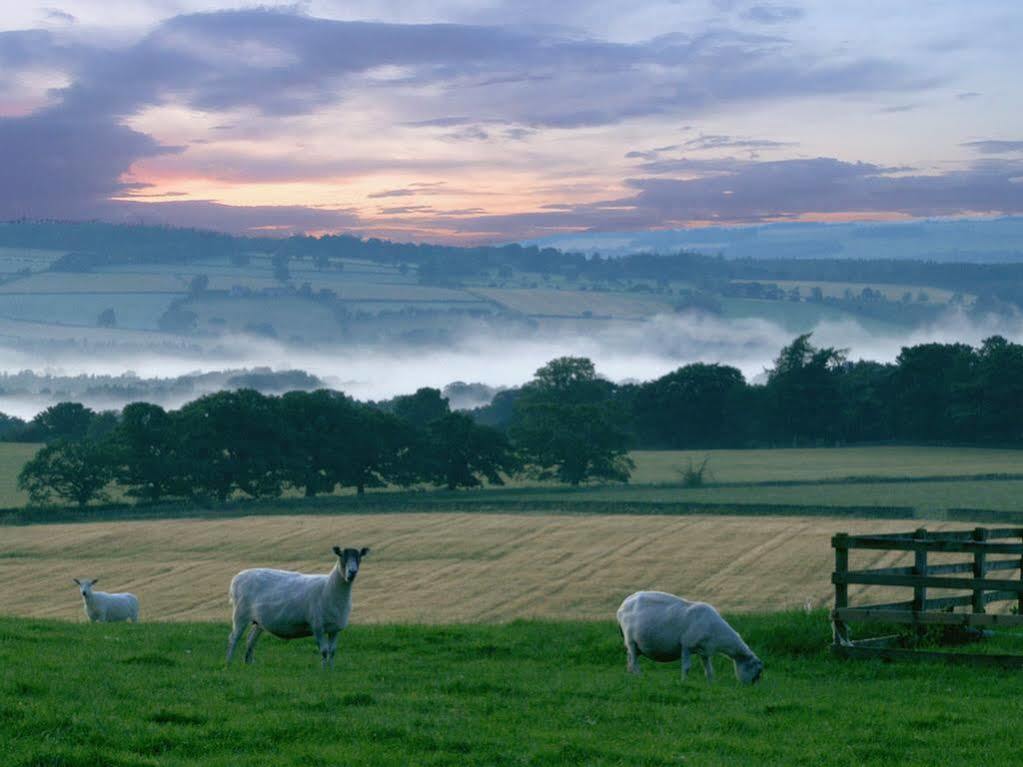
[291,605]
[101,607]
[664,628]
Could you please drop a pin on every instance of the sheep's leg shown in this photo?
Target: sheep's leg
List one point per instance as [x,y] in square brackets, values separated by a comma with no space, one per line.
[250,643]
[687,662]
[631,657]
[332,647]
[232,641]
[708,667]
[324,644]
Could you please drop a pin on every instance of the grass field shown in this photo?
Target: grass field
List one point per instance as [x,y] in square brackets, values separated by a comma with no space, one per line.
[12,457]
[526,693]
[443,567]
[781,464]
[574,303]
[890,292]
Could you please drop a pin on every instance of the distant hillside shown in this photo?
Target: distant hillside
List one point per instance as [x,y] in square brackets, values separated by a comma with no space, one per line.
[998,240]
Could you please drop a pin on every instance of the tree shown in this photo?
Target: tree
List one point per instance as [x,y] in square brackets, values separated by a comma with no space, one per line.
[280,264]
[65,420]
[107,319]
[198,285]
[568,427]
[697,405]
[144,447]
[459,452]
[231,441]
[318,427]
[803,389]
[77,471]
[422,408]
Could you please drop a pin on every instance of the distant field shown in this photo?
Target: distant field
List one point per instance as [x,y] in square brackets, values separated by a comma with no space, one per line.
[782,464]
[12,457]
[575,303]
[14,260]
[799,317]
[441,567]
[60,282]
[838,289]
[134,311]
[289,316]
[526,694]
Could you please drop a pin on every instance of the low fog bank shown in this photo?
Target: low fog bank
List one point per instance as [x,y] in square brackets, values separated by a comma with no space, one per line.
[622,351]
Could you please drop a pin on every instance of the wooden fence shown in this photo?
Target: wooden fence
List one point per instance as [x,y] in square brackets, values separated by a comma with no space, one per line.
[991,551]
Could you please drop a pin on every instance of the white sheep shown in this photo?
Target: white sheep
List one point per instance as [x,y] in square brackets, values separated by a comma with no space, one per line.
[291,605]
[101,607]
[664,628]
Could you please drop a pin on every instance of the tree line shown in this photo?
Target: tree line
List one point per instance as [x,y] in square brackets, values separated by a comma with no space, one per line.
[244,443]
[567,424]
[945,393]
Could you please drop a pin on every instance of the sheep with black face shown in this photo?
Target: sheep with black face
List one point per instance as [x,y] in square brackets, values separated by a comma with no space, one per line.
[290,605]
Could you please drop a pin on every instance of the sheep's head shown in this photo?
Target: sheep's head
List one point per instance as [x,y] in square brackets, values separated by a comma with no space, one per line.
[85,585]
[348,561]
[749,670]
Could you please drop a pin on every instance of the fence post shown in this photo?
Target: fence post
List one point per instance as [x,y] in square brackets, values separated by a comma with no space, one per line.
[840,544]
[919,569]
[979,569]
[1019,602]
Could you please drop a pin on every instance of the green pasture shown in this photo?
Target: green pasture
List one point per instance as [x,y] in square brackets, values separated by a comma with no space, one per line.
[804,464]
[13,456]
[523,693]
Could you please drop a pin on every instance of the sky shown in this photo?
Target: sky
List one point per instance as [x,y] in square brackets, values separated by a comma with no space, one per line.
[499,120]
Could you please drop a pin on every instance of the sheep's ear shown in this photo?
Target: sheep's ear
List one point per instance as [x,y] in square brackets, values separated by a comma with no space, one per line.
[95,581]
[337,550]
[364,553]
[77,581]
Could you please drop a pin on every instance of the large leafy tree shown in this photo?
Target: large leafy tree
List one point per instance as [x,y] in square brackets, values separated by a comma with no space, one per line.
[568,427]
[77,471]
[146,452]
[461,453]
[698,405]
[803,392]
[232,441]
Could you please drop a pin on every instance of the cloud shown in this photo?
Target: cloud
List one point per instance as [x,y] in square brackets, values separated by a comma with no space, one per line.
[730,142]
[773,14]
[993,146]
[745,191]
[480,83]
[59,16]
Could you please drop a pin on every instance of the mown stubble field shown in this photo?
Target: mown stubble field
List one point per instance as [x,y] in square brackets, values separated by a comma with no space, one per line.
[439,567]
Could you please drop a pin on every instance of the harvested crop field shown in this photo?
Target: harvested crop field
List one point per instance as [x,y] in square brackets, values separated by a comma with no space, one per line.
[438,567]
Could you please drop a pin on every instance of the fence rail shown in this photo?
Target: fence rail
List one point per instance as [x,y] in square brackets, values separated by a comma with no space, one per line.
[923,611]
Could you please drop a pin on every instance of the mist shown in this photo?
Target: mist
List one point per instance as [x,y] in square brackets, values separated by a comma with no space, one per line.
[621,351]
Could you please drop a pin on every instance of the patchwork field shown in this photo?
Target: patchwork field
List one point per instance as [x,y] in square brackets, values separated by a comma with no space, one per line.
[440,567]
[839,289]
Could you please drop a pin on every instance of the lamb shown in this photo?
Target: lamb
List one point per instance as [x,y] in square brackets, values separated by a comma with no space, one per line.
[664,627]
[101,607]
[291,605]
